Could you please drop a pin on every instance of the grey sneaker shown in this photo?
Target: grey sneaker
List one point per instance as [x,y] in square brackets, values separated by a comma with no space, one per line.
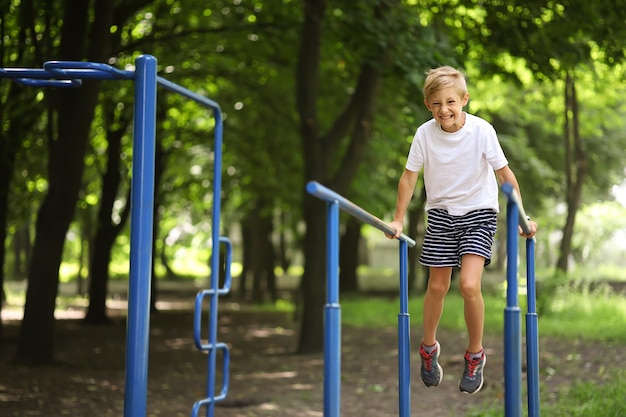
[431,371]
[472,380]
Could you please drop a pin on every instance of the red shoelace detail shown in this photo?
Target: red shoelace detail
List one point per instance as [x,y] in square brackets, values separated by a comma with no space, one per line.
[428,359]
[472,364]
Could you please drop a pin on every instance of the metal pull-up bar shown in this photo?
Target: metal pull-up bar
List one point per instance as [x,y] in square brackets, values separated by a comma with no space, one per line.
[70,74]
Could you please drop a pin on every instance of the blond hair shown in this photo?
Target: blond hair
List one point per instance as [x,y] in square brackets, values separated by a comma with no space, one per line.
[444,77]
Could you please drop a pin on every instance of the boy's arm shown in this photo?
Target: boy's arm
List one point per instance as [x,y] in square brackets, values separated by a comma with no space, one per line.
[506,175]
[406,187]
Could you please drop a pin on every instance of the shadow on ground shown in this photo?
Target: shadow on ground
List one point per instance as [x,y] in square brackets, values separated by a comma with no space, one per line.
[267,379]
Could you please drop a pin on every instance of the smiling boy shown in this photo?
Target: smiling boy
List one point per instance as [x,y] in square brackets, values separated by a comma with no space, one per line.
[462,163]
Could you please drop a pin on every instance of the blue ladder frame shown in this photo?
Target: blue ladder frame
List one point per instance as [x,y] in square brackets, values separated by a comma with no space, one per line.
[64,74]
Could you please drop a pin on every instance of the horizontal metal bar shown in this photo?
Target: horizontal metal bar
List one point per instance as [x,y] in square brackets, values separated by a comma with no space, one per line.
[68,70]
[84,70]
[328,195]
[34,82]
[168,85]
[511,193]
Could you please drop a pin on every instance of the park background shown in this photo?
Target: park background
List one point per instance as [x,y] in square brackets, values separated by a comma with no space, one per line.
[310,90]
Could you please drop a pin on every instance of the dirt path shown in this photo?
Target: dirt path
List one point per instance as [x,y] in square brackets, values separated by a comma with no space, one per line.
[266,378]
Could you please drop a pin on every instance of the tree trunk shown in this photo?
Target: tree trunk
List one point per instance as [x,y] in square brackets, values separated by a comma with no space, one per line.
[247,248]
[85,251]
[270,262]
[312,286]
[21,247]
[262,257]
[307,82]
[256,256]
[106,232]
[354,124]
[169,272]
[349,256]
[575,170]
[75,109]
[8,150]
[161,159]
[500,247]
[417,220]
[11,139]
[283,256]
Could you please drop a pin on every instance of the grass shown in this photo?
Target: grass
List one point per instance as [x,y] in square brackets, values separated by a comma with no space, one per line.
[572,313]
[590,399]
[597,316]
[581,400]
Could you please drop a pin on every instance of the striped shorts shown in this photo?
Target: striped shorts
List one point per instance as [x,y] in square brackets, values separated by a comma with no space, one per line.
[449,237]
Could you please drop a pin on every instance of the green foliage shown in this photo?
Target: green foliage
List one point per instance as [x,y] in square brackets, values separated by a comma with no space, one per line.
[592,400]
[588,399]
[243,55]
[574,315]
[585,313]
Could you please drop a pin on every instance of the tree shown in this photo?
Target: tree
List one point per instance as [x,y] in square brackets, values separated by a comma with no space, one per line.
[116,126]
[555,40]
[74,112]
[576,168]
[332,157]
[20,47]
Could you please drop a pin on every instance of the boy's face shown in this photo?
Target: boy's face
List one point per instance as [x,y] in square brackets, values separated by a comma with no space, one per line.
[446,105]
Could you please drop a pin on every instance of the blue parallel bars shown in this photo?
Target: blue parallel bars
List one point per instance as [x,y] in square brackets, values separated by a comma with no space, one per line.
[332,309]
[512,316]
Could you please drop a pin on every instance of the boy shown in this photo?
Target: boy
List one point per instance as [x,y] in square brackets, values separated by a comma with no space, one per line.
[459,153]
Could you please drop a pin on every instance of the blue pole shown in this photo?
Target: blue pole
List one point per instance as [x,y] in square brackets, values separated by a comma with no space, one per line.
[332,317]
[512,322]
[142,206]
[532,332]
[215,259]
[404,339]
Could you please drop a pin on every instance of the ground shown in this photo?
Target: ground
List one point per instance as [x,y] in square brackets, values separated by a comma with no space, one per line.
[266,378]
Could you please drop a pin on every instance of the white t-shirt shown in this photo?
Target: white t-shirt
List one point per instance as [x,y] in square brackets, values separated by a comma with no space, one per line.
[458,167]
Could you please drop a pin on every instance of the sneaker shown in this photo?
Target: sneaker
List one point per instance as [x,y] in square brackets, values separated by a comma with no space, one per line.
[431,371]
[472,380]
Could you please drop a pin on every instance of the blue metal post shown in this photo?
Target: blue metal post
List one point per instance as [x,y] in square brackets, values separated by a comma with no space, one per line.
[404,339]
[532,332]
[332,317]
[142,206]
[215,261]
[512,322]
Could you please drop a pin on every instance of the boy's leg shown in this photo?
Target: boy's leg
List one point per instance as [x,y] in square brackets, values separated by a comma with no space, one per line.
[470,283]
[438,286]
[474,307]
